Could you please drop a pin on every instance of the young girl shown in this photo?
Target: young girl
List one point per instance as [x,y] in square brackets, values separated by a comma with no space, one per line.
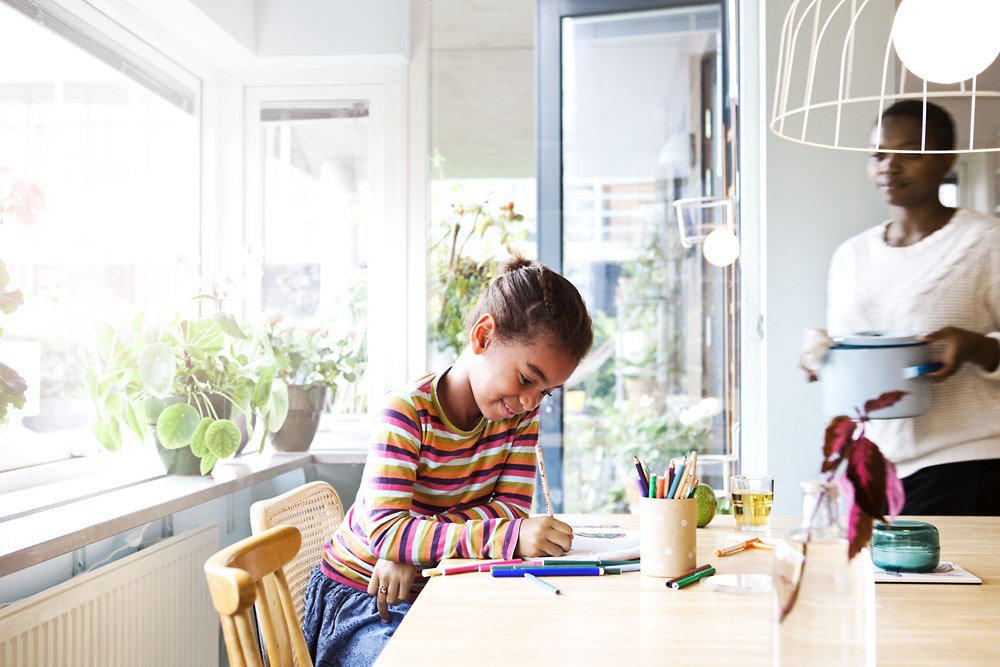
[451,466]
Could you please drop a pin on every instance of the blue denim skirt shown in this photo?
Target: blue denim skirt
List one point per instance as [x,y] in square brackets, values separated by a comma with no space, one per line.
[342,625]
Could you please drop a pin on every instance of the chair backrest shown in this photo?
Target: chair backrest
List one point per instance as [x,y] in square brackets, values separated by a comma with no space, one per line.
[315,509]
[250,571]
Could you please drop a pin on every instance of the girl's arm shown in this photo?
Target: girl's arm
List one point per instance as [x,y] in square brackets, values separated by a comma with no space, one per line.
[401,532]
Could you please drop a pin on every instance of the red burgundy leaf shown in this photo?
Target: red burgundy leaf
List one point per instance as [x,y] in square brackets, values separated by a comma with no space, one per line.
[859,530]
[895,496]
[838,435]
[883,401]
[867,472]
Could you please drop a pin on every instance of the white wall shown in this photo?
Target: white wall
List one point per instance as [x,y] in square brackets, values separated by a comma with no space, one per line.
[332,27]
[811,200]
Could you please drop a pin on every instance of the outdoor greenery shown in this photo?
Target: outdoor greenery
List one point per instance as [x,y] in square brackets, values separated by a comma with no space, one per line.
[465,254]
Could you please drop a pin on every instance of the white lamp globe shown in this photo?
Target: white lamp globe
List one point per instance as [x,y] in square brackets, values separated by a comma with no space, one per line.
[721,247]
[947,42]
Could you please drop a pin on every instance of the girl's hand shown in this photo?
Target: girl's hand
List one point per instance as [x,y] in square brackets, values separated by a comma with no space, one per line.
[961,346]
[390,584]
[543,536]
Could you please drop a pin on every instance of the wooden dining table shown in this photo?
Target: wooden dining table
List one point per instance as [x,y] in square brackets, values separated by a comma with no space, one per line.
[633,619]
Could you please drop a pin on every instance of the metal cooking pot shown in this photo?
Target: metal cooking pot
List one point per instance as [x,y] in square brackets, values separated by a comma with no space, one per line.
[862,366]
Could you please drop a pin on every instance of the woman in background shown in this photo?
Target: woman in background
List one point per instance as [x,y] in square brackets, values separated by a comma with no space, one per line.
[930,268]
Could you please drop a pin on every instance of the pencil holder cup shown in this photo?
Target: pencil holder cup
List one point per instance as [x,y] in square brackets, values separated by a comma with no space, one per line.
[668,543]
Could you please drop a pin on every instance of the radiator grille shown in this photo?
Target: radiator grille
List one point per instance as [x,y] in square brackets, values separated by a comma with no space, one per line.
[150,609]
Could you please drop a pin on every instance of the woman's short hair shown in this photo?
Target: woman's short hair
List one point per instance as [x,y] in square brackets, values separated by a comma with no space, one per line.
[940,125]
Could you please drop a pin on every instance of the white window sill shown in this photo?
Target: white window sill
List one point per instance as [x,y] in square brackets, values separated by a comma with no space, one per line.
[57,508]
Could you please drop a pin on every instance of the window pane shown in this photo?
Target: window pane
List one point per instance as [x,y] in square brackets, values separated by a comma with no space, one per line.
[316,219]
[119,169]
[641,128]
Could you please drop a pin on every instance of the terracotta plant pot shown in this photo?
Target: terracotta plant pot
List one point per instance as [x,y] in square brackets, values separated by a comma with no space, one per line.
[305,406]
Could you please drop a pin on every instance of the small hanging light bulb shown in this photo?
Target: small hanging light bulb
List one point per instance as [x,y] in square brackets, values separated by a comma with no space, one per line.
[721,247]
[947,42]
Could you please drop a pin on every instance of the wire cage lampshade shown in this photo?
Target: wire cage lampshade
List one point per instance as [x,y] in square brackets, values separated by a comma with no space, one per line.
[841,63]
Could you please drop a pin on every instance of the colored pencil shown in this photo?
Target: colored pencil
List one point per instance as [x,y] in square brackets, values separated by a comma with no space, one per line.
[544,584]
[545,480]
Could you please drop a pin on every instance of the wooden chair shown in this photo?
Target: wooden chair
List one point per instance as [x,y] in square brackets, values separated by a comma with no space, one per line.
[250,571]
[315,509]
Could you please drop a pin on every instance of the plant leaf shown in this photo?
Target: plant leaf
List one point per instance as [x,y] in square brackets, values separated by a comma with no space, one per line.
[176,425]
[223,438]
[198,446]
[894,493]
[867,472]
[229,325]
[838,434]
[859,530]
[207,463]
[156,369]
[107,432]
[884,401]
[10,300]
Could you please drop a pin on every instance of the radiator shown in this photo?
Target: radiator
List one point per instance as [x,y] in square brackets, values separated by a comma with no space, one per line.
[149,609]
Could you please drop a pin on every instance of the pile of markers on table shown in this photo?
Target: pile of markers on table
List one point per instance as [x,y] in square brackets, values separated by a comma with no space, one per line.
[533,568]
[677,481]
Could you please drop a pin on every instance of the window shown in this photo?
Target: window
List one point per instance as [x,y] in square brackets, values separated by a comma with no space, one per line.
[111,135]
[326,241]
[631,119]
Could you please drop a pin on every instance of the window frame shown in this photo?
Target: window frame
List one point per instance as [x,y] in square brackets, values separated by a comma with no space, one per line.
[391,359]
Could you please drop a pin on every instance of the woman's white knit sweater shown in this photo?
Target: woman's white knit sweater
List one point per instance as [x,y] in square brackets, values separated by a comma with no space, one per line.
[949,278]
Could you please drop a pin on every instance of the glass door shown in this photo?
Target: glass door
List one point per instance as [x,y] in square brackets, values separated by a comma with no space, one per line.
[638,123]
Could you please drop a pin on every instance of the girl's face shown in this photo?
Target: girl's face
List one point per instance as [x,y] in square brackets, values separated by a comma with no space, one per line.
[509,379]
[906,179]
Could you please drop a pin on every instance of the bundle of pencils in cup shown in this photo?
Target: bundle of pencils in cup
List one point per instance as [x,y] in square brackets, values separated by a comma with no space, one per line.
[677,481]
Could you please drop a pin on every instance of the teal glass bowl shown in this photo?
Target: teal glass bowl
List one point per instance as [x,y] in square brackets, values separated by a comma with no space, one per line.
[905,546]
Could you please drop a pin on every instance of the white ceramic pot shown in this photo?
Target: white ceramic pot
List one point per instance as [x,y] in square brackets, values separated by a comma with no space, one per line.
[863,366]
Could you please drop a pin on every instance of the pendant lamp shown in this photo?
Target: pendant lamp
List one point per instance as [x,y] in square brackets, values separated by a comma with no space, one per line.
[841,63]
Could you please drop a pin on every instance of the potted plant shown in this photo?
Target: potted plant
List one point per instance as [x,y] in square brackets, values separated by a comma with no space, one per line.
[186,379]
[20,200]
[312,363]
[12,385]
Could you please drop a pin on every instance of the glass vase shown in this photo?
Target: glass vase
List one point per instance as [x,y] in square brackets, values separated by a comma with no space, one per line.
[824,603]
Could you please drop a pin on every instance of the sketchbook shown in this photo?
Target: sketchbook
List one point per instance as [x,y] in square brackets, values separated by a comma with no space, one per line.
[603,543]
[945,573]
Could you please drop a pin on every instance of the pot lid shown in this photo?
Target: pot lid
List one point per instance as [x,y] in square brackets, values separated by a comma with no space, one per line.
[878,339]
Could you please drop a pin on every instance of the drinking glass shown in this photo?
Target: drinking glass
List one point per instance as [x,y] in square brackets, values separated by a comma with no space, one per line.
[751,497]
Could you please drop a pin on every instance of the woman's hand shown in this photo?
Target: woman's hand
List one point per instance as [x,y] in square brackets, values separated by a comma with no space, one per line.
[390,584]
[815,346]
[960,346]
[543,536]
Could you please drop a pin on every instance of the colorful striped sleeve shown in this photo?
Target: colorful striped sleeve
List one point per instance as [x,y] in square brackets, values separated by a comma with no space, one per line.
[471,509]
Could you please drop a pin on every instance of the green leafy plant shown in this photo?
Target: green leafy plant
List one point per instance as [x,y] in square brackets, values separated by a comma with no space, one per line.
[464,260]
[184,376]
[12,385]
[308,355]
[20,200]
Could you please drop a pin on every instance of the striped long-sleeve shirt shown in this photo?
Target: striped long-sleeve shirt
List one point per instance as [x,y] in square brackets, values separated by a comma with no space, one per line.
[431,491]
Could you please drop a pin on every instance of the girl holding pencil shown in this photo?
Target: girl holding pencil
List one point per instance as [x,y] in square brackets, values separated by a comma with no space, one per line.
[451,466]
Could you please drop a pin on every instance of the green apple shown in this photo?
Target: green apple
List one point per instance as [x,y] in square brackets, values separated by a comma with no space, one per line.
[707,504]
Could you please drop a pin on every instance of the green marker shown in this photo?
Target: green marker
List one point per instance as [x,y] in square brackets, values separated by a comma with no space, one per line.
[693,578]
